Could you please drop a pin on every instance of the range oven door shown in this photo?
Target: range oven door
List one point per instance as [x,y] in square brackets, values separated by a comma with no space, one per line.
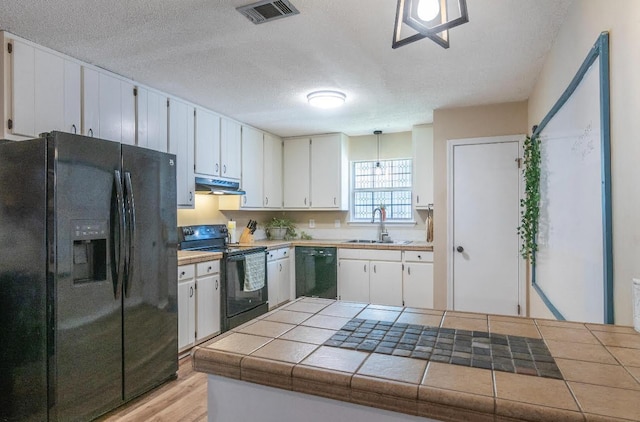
[241,305]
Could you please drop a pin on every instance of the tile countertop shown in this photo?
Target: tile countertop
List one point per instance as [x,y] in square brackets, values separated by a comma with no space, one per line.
[193,257]
[288,348]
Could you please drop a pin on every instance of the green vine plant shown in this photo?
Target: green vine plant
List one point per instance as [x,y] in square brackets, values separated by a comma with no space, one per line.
[530,204]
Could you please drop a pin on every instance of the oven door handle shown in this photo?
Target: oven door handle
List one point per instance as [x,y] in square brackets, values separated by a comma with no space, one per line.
[235,258]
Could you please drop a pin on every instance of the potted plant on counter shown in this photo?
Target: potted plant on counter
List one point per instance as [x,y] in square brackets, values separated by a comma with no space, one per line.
[280,228]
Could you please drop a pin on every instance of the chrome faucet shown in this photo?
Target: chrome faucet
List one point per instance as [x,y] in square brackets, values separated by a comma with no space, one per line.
[383,235]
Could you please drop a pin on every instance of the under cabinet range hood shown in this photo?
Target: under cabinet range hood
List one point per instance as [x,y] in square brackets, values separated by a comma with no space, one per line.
[218,187]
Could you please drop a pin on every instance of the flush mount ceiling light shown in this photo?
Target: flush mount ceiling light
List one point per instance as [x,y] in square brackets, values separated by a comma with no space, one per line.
[326,99]
[428,19]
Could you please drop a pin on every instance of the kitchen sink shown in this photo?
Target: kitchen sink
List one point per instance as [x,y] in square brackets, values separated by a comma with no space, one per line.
[390,242]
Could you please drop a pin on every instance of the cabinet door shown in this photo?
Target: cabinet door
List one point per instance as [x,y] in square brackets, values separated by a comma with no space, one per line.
[284,271]
[142,118]
[230,148]
[326,171]
[128,112]
[353,280]
[110,108]
[296,173]
[207,143]
[72,97]
[90,102]
[38,90]
[273,283]
[186,314]
[417,285]
[49,92]
[208,306]
[422,137]
[385,283]
[272,172]
[181,144]
[23,113]
[157,123]
[252,167]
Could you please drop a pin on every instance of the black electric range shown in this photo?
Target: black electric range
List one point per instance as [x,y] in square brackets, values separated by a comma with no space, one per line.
[238,304]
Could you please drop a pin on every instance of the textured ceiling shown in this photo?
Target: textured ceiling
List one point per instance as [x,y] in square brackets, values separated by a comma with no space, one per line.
[206,52]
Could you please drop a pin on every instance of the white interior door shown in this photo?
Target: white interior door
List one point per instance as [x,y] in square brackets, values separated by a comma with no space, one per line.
[485,214]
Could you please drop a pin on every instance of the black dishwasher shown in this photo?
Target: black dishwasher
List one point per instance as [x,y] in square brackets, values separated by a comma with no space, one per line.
[316,272]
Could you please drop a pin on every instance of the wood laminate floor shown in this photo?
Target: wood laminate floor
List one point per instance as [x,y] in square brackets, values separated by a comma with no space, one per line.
[180,400]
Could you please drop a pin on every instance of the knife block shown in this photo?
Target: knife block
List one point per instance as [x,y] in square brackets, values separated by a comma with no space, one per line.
[246,236]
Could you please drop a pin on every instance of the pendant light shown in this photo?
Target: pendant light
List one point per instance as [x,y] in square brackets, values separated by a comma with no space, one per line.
[378,167]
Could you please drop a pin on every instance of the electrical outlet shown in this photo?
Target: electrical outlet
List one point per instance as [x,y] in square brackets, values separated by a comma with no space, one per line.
[336,224]
[312,223]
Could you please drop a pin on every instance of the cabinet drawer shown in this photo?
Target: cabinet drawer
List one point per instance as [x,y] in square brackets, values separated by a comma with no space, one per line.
[272,255]
[282,253]
[418,256]
[186,272]
[208,267]
[370,254]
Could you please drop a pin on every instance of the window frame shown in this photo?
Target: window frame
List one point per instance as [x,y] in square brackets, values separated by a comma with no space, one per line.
[353,190]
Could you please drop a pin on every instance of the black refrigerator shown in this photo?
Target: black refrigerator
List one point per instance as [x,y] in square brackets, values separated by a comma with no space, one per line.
[88,276]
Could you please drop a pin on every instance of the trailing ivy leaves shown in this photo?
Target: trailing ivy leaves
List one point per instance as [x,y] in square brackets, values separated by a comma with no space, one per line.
[530,204]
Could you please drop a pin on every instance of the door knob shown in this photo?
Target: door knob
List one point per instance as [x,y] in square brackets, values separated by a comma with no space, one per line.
[460,249]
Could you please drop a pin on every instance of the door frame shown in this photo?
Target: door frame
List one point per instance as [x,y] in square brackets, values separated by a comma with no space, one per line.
[523,292]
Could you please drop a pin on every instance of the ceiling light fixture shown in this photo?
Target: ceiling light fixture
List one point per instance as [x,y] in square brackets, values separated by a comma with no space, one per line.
[428,19]
[326,99]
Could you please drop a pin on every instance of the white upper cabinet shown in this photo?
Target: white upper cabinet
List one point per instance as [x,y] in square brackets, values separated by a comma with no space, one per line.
[108,106]
[230,148]
[316,172]
[252,167]
[90,102]
[181,143]
[37,90]
[329,172]
[72,97]
[272,172]
[296,175]
[207,147]
[422,138]
[151,120]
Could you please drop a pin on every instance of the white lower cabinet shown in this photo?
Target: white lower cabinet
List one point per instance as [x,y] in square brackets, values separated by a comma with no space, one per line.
[417,279]
[186,306]
[370,276]
[198,303]
[278,276]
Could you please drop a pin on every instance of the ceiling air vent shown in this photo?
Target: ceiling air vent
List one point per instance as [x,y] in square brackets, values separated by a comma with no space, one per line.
[268,10]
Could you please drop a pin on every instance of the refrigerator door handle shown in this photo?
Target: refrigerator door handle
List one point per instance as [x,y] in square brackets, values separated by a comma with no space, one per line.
[131,229]
[118,258]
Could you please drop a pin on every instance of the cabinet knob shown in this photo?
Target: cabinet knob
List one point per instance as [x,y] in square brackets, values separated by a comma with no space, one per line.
[419,256]
[182,274]
[224,168]
[91,132]
[266,200]
[460,249]
[74,128]
[209,269]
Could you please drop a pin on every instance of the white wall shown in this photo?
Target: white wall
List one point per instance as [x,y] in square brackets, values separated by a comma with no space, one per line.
[584,23]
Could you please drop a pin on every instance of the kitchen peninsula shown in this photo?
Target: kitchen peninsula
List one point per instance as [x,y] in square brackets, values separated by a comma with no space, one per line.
[344,359]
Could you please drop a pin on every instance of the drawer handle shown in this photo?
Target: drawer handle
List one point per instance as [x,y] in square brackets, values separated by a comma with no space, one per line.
[74,128]
[216,284]
[365,268]
[409,270]
[91,132]
[374,269]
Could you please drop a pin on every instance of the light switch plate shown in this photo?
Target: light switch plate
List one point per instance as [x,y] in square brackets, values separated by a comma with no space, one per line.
[336,224]
[312,223]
